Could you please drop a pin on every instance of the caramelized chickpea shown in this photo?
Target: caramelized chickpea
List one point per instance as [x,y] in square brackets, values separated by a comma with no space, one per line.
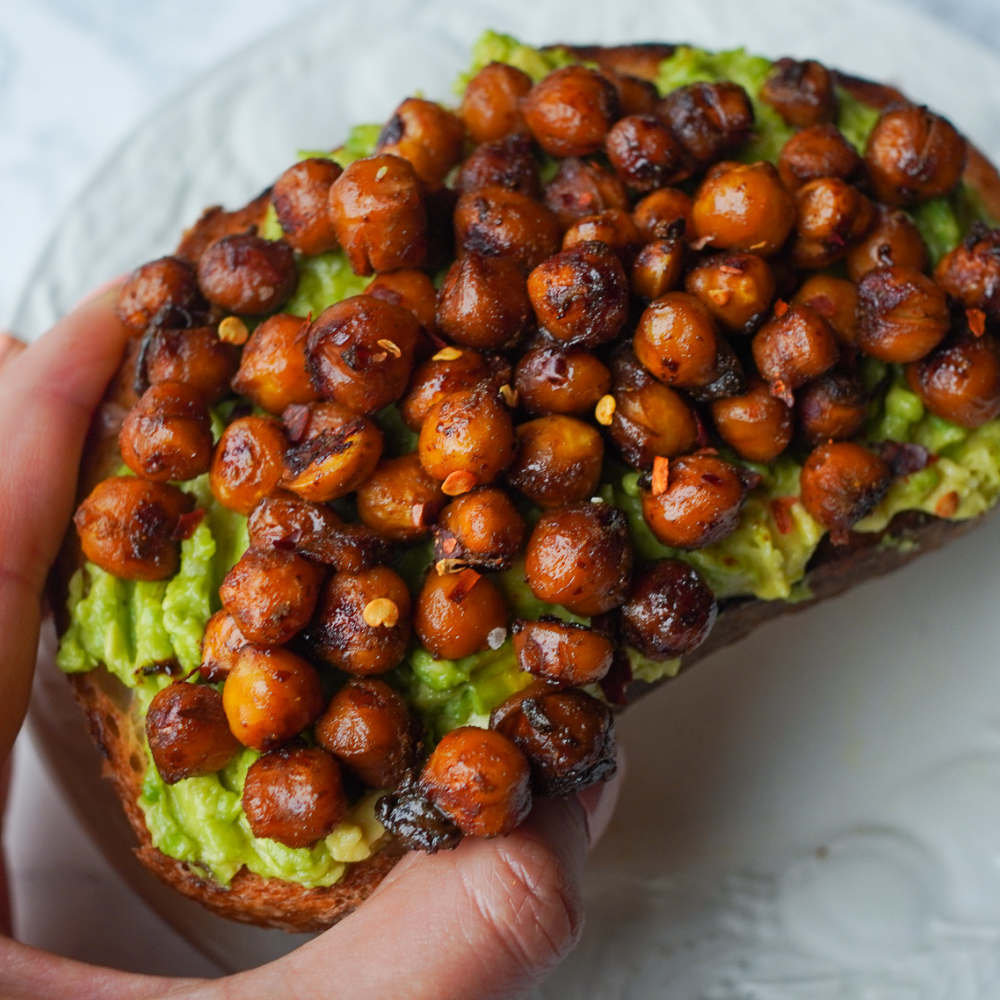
[836,300]
[412,290]
[658,268]
[508,163]
[892,241]
[333,463]
[558,461]
[301,196]
[247,274]
[164,290]
[902,314]
[831,408]
[294,796]
[817,151]
[561,651]
[550,380]
[757,425]
[971,272]
[580,557]
[378,214]
[219,645]
[613,227]
[479,780]
[167,434]
[652,420]
[270,696]
[645,153]
[187,732]
[129,527]
[272,371]
[793,348]
[570,111]
[960,381]
[635,95]
[427,135]
[710,119]
[194,356]
[831,215]
[841,482]
[677,341]
[736,288]
[913,154]
[458,614]
[491,104]
[659,214]
[415,821]
[448,371]
[581,188]
[341,634]
[483,302]
[400,500]
[480,528]
[215,222]
[801,92]
[248,463]
[700,505]
[367,726]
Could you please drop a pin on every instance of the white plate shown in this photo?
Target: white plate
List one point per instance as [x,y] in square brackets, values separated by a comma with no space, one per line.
[813,814]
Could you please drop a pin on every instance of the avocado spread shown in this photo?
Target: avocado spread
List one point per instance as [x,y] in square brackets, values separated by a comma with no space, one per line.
[138,629]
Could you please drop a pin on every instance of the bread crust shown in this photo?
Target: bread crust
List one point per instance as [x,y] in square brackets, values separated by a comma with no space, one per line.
[116,728]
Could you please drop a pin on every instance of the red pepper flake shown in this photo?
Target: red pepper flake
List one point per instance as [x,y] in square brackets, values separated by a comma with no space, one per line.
[947,505]
[417,515]
[661,475]
[449,545]
[781,511]
[304,329]
[977,321]
[779,388]
[780,308]
[186,525]
[463,583]
[296,421]
[731,269]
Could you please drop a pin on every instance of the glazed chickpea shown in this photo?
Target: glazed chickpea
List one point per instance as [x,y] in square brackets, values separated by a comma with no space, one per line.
[736,288]
[378,214]
[757,425]
[508,163]
[491,104]
[414,821]
[450,370]
[645,153]
[563,652]
[165,290]
[836,300]
[580,296]
[498,222]
[479,780]
[613,227]
[676,340]
[333,463]
[367,726]
[913,154]
[658,215]
[248,463]
[831,408]
[215,223]
[247,274]
[581,188]
[294,796]
[360,352]
[469,436]
[580,557]
[971,272]
[550,380]
[343,634]
[194,356]
[219,645]
[482,528]
[744,207]
[427,135]
[483,302]
[652,420]
[558,461]
[458,614]
[400,500]
[709,119]
[301,196]
[817,151]
[831,215]
[658,268]
[270,696]
[902,314]
[412,290]
[892,241]
[272,371]
[801,92]
[570,111]
[793,348]
[960,381]
[129,527]
[841,482]
[635,95]
[167,435]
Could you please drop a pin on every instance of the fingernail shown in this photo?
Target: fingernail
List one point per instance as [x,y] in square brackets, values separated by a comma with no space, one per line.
[10,347]
[599,802]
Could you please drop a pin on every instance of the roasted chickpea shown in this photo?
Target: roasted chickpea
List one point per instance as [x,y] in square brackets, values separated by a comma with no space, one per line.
[481,528]
[378,214]
[450,370]
[248,463]
[676,340]
[817,151]
[294,796]
[836,300]
[580,557]
[658,268]
[483,302]
[360,352]
[215,222]
[414,821]
[558,461]
[412,290]
[801,92]
[892,241]
[563,652]
[129,527]
[479,780]
[902,314]
[427,135]
[367,726]
[757,425]
[913,155]
[645,153]
[841,482]
[400,500]
[793,348]
[334,462]
[458,614]
[498,222]
[508,163]
[247,274]
[187,732]
[270,696]
[613,227]
[581,188]
[971,272]
[194,356]
[550,380]
[659,214]
[491,104]
[301,198]
[635,95]
[651,420]
[570,111]
[580,295]
[744,207]
[960,381]
[736,288]
[831,215]
[167,435]
[699,504]
[219,645]
[362,622]
[272,371]
[164,290]
[709,119]
[831,408]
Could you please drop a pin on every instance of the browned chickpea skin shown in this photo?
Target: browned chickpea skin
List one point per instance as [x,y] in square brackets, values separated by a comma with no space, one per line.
[613,227]
[635,95]
[841,482]
[831,215]
[581,188]
[801,92]
[756,424]
[272,370]
[248,463]
[658,214]
[363,621]
[491,104]
[301,198]
[563,652]
[580,557]
[194,356]
[483,302]
[913,155]
[479,780]
[736,288]
[508,162]
[450,370]
[410,289]
[971,272]
[247,274]
[167,435]
[270,696]
[481,528]
[795,346]
[558,461]
[831,408]
[187,732]
[676,339]
[400,500]
[836,300]
[334,462]
[130,527]
[709,119]
[165,290]
[219,645]
[458,614]
[550,380]
[378,213]
[645,153]
[368,727]
[658,268]
[817,151]
[427,135]
[892,241]
[650,421]
[294,796]
[902,314]
[570,111]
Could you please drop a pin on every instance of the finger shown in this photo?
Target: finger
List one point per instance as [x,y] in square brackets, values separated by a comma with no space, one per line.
[10,347]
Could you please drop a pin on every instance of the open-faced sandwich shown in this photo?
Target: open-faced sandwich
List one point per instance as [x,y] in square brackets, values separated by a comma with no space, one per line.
[464,434]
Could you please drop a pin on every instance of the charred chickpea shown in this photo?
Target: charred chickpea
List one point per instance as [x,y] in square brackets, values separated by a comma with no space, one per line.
[836,300]
[378,213]
[563,652]
[831,215]
[130,527]
[508,163]
[757,425]
[294,796]
[698,504]
[458,614]
[491,104]
[272,370]
[658,268]
[657,216]
[651,420]
[960,381]
[676,339]
[801,92]
[215,222]
[247,274]
[971,272]
[483,302]
[902,314]
[167,435]
[412,290]
[165,290]
[736,288]
[479,780]
[219,645]
[248,463]
[913,154]
[482,528]
[270,696]
[367,726]
[817,151]
[831,408]
[645,153]
[334,462]
[709,119]
[363,621]
[550,380]
[635,95]
[794,347]
[400,500]
[570,111]
[301,196]
[841,482]
[613,227]
[580,557]
[427,135]
[414,821]
[892,241]
[450,370]
[558,461]
[194,356]
[581,188]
